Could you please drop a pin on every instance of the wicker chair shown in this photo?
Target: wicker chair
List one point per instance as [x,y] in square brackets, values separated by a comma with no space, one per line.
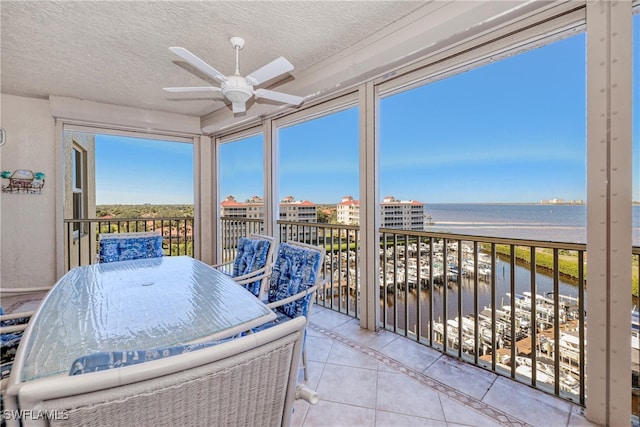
[11,328]
[12,325]
[293,283]
[129,246]
[252,265]
[242,382]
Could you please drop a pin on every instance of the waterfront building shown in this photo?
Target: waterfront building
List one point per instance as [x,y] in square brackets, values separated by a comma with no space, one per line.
[403,214]
[290,210]
[394,213]
[348,211]
[251,208]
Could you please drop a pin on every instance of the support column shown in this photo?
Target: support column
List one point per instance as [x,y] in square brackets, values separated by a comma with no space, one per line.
[205,200]
[609,171]
[271,156]
[369,209]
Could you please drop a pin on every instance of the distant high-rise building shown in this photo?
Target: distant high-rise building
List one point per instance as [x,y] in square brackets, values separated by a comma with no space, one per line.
[252,208]
[403,214]
[298,210]
[290,210]
[348,211]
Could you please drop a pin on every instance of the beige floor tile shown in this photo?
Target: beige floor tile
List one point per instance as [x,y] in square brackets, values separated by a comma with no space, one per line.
[328,319]
[355,332]
[457,374]
[577,418]
[400,394]
[315,372]
[343,355]
[300,409]
[410,353]
[318,348]
[330,414]
[528,404]
[455,412]
[391,419]
[381,339]
[348,385]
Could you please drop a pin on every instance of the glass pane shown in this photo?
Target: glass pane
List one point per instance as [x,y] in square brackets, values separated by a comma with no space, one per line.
[319,163]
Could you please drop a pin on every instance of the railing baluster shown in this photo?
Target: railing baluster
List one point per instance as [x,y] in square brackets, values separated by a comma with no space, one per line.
[445,288]
[581,331]
[512,302]
[460,339]
[476,323]
[431,291]
[534,318]
[494,348]
[556,322]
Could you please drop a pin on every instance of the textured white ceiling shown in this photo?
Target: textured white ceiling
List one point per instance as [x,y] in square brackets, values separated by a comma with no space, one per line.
[116,52]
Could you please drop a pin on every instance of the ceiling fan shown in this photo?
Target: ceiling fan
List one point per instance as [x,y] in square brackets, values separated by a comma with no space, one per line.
[236,88]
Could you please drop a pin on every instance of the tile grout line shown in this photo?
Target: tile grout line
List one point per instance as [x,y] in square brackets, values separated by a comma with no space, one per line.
[468,401]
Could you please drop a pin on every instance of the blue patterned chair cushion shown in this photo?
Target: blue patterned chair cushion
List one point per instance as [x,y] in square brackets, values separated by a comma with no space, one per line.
[294,271]
[9,343]
[251,256]
[127,248]
[117,359]
[11,322]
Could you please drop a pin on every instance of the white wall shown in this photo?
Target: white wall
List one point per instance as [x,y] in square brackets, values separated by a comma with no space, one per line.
[27,221]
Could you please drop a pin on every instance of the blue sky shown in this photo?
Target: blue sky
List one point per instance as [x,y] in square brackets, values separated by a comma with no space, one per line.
[509,131]
[137,171]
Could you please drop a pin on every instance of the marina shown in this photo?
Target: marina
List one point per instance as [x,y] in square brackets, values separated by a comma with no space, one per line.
[431,292]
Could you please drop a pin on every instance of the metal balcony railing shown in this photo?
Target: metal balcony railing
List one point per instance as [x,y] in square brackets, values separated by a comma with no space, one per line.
[81,236]
[514,307]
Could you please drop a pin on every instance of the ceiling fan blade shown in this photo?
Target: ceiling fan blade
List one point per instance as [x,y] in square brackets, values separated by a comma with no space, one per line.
[198,63]
[272,69]
[193,89]
[285,98]
[239,107]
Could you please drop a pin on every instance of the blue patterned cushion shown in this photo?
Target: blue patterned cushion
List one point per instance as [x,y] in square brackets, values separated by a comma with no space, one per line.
[281,317]
[251,256]
[128,248]
[11,322]
[9,343]
[116,359]
[294,271]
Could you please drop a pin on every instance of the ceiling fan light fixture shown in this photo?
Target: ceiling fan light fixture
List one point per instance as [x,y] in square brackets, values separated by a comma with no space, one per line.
[236,89]
[237,94]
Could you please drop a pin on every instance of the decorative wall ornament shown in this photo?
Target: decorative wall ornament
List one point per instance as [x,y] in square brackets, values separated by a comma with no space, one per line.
[23,181]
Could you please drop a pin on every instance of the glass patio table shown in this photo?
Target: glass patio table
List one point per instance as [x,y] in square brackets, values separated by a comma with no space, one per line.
[133,305]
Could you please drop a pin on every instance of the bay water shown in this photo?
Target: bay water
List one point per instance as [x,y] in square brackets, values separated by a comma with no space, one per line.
[547,222]
[543,222]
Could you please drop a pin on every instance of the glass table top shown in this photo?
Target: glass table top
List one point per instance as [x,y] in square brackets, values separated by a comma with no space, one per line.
[135,305]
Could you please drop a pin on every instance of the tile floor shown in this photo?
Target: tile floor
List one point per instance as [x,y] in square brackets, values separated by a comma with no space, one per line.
[369,378]
[366,378]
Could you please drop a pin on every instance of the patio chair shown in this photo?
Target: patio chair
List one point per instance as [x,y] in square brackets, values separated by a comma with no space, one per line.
[129,246]
[292,285]
[246,381]
[12,325]
[251,267]
[11,328]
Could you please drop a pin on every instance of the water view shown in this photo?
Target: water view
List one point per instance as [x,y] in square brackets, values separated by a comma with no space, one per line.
[548,222]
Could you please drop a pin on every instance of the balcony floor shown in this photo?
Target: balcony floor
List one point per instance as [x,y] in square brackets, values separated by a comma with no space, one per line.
[366,378]
[369,378]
